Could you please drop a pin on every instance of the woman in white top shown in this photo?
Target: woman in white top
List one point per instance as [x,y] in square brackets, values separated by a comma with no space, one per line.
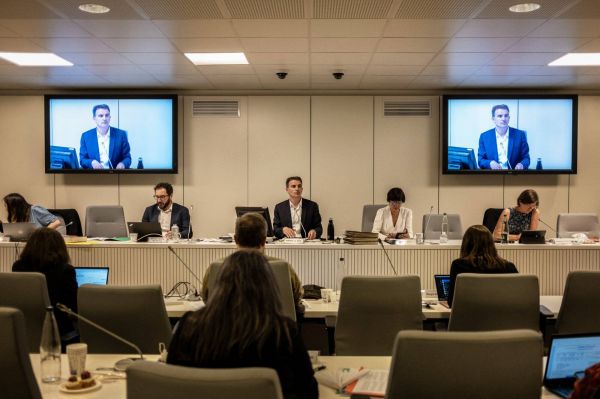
[394,221]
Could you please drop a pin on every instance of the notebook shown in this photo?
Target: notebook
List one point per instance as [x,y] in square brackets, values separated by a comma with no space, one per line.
[145,229]
[442,283]
[568,357]
[533,237]
[91,275]
[20,231]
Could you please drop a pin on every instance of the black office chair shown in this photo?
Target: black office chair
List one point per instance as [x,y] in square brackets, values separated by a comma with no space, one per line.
[72,220]
[490,218]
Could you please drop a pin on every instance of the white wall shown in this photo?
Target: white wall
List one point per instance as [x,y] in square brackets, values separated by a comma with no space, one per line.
[343,147]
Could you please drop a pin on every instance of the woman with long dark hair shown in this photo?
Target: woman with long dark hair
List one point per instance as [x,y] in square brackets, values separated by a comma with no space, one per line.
[19,210]
[478,255]
[242,326]
[46,253]
[524,216]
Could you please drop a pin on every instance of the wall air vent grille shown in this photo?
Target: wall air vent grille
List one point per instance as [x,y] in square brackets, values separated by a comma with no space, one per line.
[215,108]
[406,108]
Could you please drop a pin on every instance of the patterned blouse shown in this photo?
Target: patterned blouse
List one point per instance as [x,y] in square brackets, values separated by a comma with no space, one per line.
[517,221]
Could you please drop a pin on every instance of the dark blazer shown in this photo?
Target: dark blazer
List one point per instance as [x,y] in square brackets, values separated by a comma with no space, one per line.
[462,266]
[118,152]
[311,218]
[518,149]
[180,216]
[62,287]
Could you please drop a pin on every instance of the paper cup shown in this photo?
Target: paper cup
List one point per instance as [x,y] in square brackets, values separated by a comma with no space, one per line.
[76,353]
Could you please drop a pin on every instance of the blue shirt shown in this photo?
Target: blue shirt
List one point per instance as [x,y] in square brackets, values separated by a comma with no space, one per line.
[40,216]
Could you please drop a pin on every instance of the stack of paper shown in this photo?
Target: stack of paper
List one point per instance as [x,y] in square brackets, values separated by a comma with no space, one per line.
[360,237]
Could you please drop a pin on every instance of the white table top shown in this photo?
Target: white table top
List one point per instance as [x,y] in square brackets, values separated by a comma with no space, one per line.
[117,389]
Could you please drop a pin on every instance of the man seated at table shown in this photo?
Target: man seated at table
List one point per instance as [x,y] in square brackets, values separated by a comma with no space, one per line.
[168,213]
[251,233]
[297,216]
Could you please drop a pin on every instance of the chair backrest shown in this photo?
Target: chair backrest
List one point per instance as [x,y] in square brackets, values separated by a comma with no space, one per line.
[153,380]
[105,221]
[372,310]
[569,223]
[368,216]
[485,302]
[281,270]
[16,375]
[433,228]
[27,292]
[71,218]
[136,313]
[580,308]
[466,365]
[490,218]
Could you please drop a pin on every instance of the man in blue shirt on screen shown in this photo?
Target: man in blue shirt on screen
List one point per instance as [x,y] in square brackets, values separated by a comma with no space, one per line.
[503,147]
[104,147]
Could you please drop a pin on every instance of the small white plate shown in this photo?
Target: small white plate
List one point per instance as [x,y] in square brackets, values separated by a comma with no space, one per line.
[63,388]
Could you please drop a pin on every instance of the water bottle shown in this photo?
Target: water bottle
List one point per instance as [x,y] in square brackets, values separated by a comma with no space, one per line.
[538,165]
[330,230]
[175,235]
[444,234]
[140,163]
[340,273]
[50,349]
[504,234]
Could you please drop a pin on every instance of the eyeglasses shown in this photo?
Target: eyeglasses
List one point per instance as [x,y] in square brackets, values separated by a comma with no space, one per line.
[161,197]
[395,202]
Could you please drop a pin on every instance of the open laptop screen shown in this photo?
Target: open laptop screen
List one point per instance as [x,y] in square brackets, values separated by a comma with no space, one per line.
[442,283]
[570,354]
[91,275]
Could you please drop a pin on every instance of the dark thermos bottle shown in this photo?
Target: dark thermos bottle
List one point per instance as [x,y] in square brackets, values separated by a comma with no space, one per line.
[330,230]
[140,163]
[538,166]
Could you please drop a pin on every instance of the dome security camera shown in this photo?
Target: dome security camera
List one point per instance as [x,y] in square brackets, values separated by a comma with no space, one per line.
[281,75]
[338,75]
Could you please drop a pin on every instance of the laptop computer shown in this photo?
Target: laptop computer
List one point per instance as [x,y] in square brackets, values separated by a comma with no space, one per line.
[145,229]
[533,237]
[20,231]
[568,357]
[442,283]
[91,275]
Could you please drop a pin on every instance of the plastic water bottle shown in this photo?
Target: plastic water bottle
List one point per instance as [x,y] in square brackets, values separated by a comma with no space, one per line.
[140,164]
[175,235]
[444,234]
[50,349]
[504,234]
[538,165]
[330,230]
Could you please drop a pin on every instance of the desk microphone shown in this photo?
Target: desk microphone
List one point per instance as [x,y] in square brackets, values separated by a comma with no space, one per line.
[387,256]
[120,365]
[108,155]
[189,232]
[550,227]
[427,223]
[190,297]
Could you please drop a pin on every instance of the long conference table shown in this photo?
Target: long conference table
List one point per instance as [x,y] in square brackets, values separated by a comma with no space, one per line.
[318,263]
[117,388]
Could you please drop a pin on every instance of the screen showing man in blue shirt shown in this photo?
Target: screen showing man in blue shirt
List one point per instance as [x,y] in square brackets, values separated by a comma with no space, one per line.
[503,147]
[104,147]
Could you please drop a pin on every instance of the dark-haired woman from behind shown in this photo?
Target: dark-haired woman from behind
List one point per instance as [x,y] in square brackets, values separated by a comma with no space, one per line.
[242,326]
[477,255]
[46,253]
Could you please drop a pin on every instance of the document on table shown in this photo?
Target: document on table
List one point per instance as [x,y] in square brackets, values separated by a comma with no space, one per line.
[374,383]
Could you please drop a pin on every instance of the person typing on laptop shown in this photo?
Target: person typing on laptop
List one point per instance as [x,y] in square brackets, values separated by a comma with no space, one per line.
[477,255]
[167,212]
[46,253]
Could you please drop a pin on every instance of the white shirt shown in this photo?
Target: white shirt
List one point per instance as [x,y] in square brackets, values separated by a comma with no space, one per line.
[296,218]
[165,218]
[502,146]
[103,148]
[384,225]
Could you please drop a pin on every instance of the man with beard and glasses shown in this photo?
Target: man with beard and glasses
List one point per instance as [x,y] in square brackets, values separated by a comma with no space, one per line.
[168,213]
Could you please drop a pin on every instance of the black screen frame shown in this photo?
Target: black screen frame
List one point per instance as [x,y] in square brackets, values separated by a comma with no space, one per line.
[174,132]
[445,133]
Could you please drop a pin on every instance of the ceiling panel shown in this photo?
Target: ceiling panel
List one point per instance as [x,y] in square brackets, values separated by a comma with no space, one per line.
[270,28]
[119,9]
[281,58]
[435,9]
[499,27]
[208,44]
[180,9]
[543,44]
[347,28]
[95,58]
[340,58]
[174,59]
[394,69]
[73,45]
[19,45]
[139,45]
[351,9]
[411,45]
[478,59]
[268,45]
[471,44]
[195,28]
[583,9]
[568,28]
[530,59]
[422,28]
[22,9]
[42,28]
[343,45]
[120,29]
[499,9]
[265,9]
[402,58]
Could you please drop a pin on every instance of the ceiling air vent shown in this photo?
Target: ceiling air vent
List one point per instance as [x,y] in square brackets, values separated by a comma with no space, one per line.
[216,108]
[406,108]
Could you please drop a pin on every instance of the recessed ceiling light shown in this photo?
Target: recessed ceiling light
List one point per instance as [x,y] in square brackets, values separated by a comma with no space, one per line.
[35,59]
[94,8]
[577,59]
[217,58]
[524,7]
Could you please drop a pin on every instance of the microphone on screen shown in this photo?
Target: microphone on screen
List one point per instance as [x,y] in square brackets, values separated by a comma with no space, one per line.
[196,295]
[120,365]
[427,223]
[387,256]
